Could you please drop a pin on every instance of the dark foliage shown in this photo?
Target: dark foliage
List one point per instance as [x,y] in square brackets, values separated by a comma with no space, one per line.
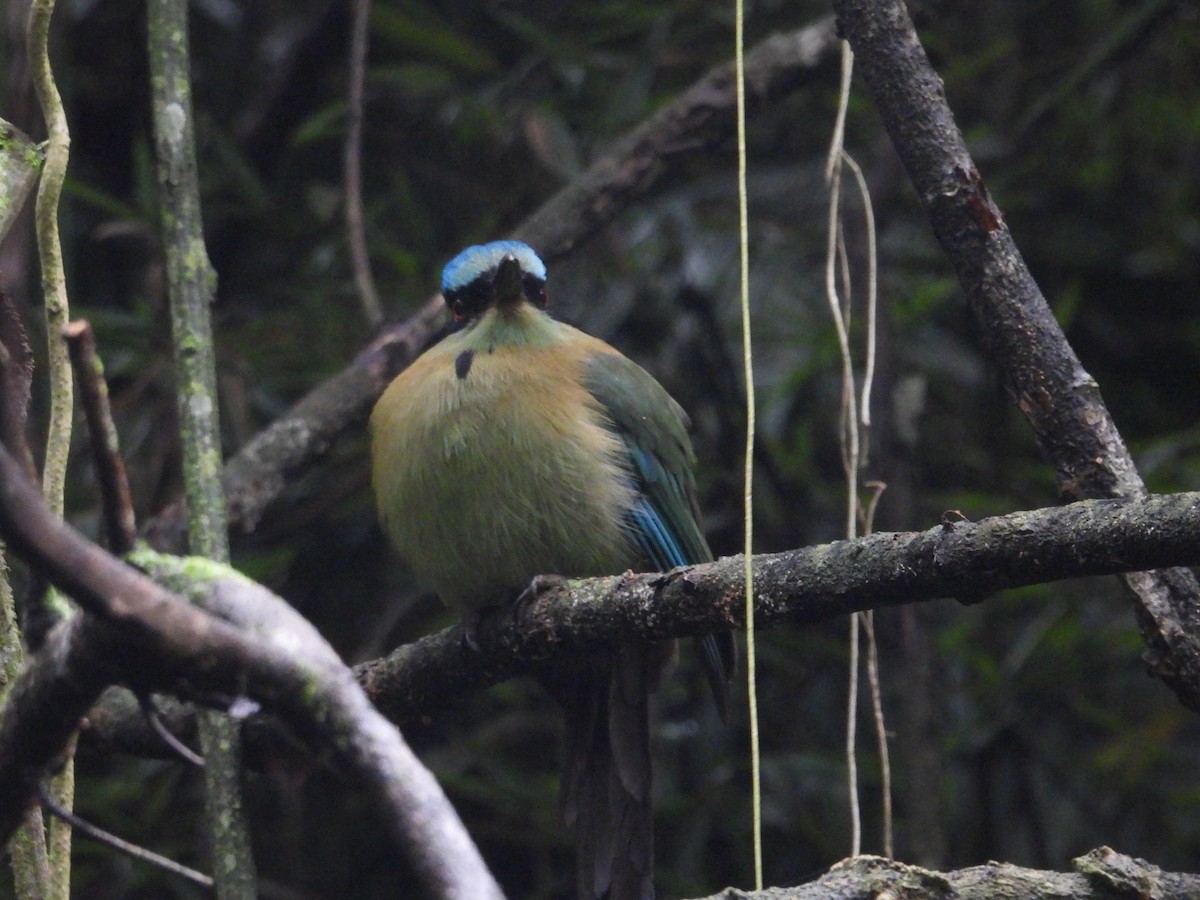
[1026,729]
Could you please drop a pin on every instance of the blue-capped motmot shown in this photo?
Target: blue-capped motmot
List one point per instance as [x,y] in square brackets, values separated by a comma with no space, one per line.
[519,446]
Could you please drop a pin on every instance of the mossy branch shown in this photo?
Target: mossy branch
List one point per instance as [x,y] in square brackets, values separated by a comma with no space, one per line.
[191,284]
[54,295]
[234,639]
[20,162]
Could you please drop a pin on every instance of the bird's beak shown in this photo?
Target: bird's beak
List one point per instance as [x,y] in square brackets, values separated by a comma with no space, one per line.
[506,286]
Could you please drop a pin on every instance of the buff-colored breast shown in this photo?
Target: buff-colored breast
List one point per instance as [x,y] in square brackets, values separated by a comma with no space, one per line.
[488,477]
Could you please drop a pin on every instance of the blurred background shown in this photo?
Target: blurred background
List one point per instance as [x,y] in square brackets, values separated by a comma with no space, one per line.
[1024,728]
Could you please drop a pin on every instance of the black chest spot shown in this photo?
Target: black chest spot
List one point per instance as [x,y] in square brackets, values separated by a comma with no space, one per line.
[462,363]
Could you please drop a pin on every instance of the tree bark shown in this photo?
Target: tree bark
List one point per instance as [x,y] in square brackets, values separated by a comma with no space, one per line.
[1102,874]
[965,560]
[1058,398]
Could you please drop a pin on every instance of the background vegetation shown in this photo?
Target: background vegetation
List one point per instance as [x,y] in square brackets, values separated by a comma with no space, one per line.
[1025,727]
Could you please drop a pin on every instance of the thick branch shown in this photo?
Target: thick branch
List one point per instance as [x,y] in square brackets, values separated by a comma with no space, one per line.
[696,121]
[44,707]
[191,286]
[1099,875]
[967,560]
[271,655]
[1058,397]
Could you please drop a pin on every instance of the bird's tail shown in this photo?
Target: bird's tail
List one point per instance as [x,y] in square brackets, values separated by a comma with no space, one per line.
[607,782]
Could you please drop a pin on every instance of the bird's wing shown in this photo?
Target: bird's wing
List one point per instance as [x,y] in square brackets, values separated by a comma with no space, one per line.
[653,429]
[666,515]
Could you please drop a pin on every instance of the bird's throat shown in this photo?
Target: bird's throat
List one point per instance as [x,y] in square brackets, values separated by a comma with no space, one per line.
[511,325]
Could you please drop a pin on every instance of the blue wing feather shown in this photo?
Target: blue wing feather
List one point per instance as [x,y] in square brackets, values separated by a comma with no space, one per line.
[652,532]
[664,519]
[653,538]
[653,429]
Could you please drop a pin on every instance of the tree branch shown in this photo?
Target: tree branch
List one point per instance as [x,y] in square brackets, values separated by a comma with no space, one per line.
[20,162]
[261,648]
[116,504]
[191,284]
[966,560]
[1058,397]
[356,229]
[58,366]
[1099,875]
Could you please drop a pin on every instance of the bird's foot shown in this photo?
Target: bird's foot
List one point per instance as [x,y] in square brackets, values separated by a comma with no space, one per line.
[537,587]
[470,625]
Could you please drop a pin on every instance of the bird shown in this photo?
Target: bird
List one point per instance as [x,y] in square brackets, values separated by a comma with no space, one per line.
[517,447]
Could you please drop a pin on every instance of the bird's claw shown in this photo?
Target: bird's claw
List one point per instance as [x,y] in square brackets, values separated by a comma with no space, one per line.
[472,621]
[470,635]
[537,587]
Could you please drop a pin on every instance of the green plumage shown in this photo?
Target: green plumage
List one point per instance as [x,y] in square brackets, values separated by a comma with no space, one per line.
[506,473]
[655,429]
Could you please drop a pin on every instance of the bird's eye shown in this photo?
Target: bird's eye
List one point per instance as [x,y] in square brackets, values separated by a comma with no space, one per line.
[535,290]
[456,303]
[470,300]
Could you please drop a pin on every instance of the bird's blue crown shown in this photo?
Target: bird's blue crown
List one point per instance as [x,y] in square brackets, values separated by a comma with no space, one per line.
[474,261]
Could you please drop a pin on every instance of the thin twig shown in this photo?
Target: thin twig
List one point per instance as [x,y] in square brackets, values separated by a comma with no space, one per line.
[849,415]
[150,711]
[133,851]
[881,734]
[872,290]
[356,230]
[57,310]
[852,740]
[868,515]
[837,139]
[748,467]
[847,422]
[116,503]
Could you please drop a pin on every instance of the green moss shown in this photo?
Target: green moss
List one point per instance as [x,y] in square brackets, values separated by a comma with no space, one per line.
[190,576]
